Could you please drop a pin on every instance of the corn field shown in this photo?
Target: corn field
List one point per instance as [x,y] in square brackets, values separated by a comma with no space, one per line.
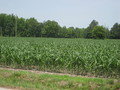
[76,56]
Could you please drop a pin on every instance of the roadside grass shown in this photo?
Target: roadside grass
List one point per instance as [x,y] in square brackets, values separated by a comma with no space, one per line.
[29,81]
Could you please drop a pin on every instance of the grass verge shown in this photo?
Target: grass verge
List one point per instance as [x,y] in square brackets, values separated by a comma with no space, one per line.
[29,81]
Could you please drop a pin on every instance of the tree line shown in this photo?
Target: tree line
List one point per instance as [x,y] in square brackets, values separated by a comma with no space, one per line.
[11,25]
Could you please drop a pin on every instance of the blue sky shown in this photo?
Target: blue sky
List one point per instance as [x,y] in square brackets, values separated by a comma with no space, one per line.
[77,13]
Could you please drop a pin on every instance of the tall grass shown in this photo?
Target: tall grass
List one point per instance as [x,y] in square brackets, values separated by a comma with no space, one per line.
[78,56]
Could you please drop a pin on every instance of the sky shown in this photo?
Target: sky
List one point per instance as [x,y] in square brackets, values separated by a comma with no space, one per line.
[76,13]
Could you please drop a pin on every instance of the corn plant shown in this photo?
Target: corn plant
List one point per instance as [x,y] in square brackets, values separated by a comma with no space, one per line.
[78,56]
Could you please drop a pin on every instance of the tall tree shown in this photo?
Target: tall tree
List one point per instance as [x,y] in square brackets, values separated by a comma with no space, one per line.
[51,28]
[88,30]
[115,31]
[98,32]
[31,27]
[78,32]
[70,32]
[63,33]
[107,32]
[16,18]
[21,29]
[2,23]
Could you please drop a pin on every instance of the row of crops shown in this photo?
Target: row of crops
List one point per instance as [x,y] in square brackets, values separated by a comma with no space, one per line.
[77,56]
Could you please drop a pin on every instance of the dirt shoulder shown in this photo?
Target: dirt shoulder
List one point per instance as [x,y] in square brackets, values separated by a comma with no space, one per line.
[4,88]
[44,72]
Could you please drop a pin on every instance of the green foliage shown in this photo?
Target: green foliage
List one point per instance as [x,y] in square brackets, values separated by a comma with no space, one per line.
[52,28]
[88,30]
[11,25]
[78,56]
[7,24]
[21,27]
[31,27]
[115,31]
[98,32]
